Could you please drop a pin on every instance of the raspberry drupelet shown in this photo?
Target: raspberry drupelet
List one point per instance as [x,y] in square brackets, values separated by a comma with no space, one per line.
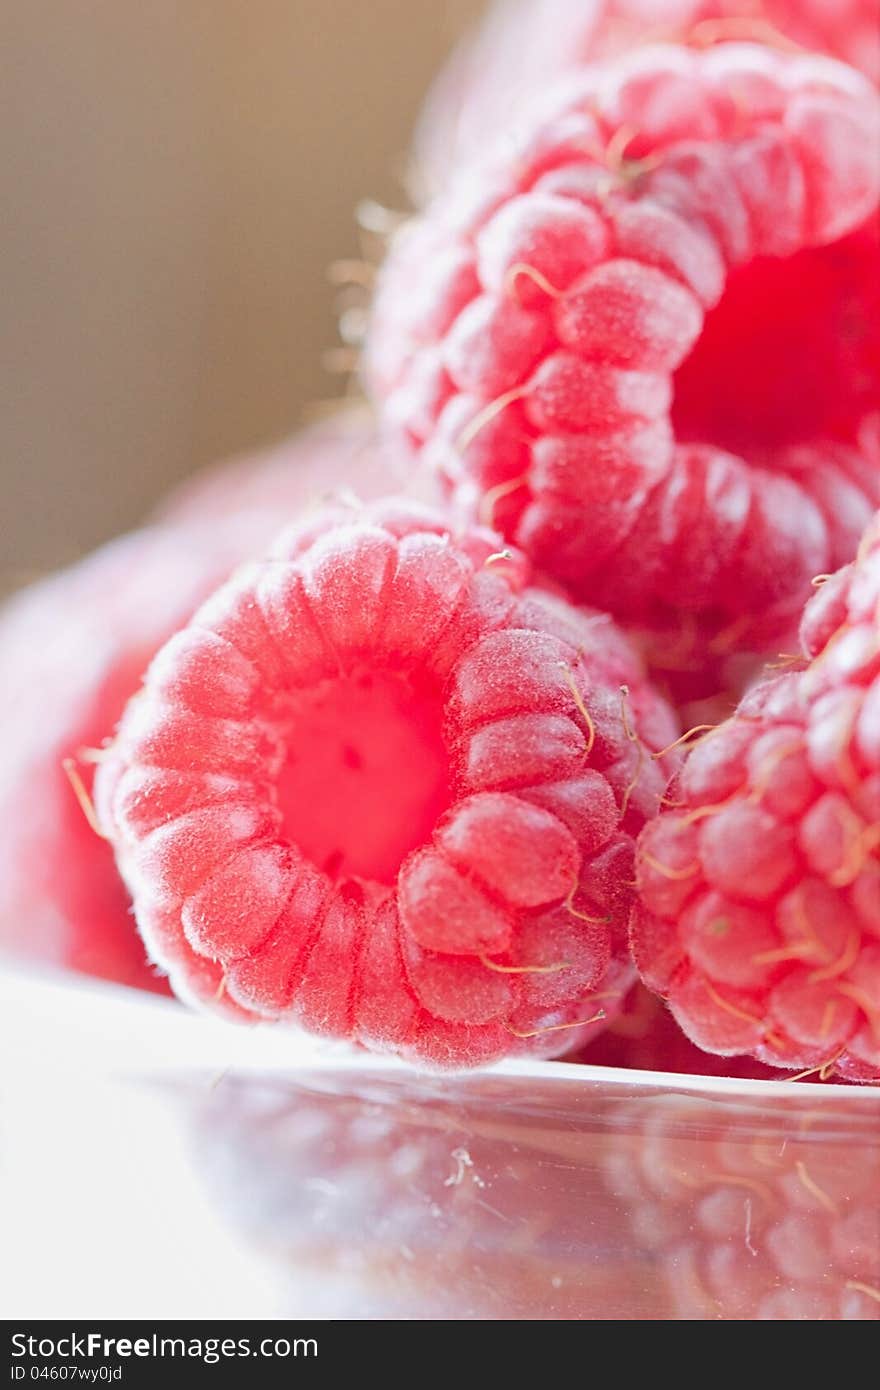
[759,911]
[386,789]
[524,45]
[641,337]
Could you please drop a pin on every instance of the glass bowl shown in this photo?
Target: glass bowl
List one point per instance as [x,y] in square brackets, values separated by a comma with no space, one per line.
[158,1164]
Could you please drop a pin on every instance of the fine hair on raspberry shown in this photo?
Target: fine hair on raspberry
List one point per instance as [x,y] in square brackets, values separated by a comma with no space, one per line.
[642,335]
[386,788]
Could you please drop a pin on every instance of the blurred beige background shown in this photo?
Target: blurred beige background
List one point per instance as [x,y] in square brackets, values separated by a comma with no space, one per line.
[178,176]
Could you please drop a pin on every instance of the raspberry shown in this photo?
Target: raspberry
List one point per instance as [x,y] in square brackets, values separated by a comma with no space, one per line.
[73,649]
[642,338]
[383,788]
[703,680]
[752,1211]
[758,916]
[526,46]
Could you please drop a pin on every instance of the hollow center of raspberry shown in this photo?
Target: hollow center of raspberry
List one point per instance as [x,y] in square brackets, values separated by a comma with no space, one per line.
[366,774]
[790,354]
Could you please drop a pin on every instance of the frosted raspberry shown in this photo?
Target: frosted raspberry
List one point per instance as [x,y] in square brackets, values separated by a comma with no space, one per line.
[759,915]
[642,337]
[73,649]
[760,1207]
[383,788]
[524,46]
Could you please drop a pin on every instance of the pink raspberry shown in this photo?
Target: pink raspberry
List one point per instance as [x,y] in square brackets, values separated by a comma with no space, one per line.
[383,788]
[73,649]
[642,338]
[751,1210]
[525,45]
[759,914]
